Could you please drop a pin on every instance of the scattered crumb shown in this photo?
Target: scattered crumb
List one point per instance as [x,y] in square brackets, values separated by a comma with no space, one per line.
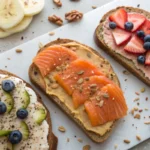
[146,98]
[94,7]
[146,109]
[125,79]
[137,93]
[51,33]
[137,116]
[86,147]
[138,104]
[115,146]
[142,90]
[68,140]
[18,51]
[41,45]
[80,140]
[136,109]
[148,122]
[61,129]
[126,72]
[8,58]
[22,38]
[138,137]
[140,110]
[5,66]
[132,111]
[126,141]
[136,99]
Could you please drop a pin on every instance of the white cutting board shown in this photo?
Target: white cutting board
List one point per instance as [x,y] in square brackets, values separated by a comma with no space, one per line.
[83,32]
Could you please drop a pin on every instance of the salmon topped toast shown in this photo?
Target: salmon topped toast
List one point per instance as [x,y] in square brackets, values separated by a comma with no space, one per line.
[83,84]
[124,33]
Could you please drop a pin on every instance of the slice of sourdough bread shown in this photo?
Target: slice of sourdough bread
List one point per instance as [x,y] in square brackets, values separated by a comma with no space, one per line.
[99,39]
[37,79]
[52,139]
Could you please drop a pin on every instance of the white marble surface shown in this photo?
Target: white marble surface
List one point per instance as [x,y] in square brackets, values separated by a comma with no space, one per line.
[40,25]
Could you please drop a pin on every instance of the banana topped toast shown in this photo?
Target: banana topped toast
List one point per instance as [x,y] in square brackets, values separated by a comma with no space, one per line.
[124,33]
[82,83]
[24,120]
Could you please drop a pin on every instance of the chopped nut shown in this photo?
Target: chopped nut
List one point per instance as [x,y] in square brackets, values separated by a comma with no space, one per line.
[138,137]
[142,90]
[51,33]
[137,93]
[94,7]
[80,72]
[147,122]
[18,51]
[58,3]
[61,129]
[80,140]
[86,147]
[137,116]
[146,98]
[126,141]
[55,19]
[74,15]
[136,109]
[54,86]
[136,99]
[126,72]
[105,95]
[41,45]
[80,81]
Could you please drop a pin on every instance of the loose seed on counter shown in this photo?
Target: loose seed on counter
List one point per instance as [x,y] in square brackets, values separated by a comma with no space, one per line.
[126,141]
[18,51]
[61,129]
[138,137]
[137,93]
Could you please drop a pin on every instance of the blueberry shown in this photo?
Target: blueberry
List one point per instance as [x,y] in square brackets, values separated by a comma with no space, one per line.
[3,108]
[8,85]
[141,59]
[140,34]
[22,113]
[112,25]
[147,45]
[15,137]
[128,26]
[147,38]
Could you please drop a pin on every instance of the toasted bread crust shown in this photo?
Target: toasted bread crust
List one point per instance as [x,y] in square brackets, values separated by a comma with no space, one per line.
[35,77]
[52,139]
[121,59]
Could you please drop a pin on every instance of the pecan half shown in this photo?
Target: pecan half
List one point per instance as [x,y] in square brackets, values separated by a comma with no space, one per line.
[58,3]
[74,15]
[55,19]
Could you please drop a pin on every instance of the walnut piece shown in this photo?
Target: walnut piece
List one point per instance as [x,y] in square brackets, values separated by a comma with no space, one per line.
[74,15]
[55,19]
[58,3]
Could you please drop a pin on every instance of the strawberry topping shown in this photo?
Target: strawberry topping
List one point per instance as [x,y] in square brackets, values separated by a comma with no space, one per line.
[135,46]
[119,17]
[120,36]
[147,61]
[146,27]
[137,20]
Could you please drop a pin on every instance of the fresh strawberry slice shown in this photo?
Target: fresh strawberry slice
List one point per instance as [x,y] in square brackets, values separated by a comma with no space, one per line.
[119,17]
[146,27]
[135,46]
[147,60]
[120,36]
[137,20]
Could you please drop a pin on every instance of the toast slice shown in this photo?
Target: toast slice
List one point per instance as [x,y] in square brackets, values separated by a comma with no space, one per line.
[101,42]
[37,79]
[52,139]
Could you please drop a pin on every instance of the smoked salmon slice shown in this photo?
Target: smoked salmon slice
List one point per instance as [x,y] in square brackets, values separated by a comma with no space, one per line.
[76,74]
[110,106]
[89,88]
[53,56]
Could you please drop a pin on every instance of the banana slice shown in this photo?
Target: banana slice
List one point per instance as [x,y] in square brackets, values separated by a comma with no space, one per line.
[11,13]
[33,7]
[20,27]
